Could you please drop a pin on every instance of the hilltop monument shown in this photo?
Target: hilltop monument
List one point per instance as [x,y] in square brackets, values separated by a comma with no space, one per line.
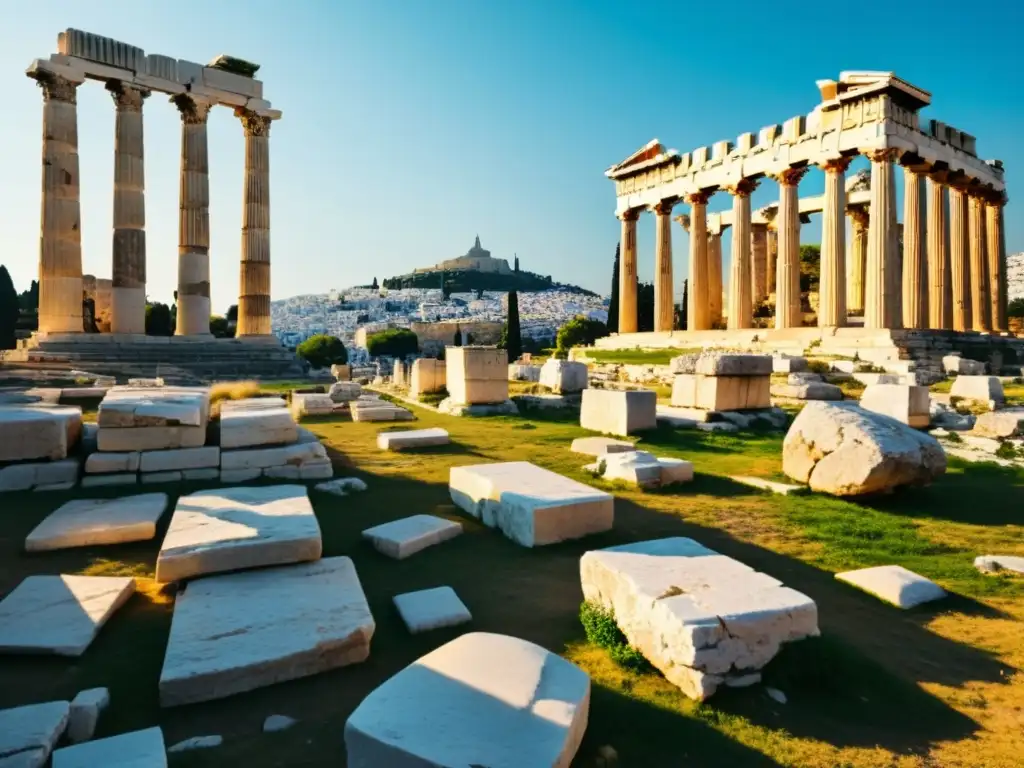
[476,259]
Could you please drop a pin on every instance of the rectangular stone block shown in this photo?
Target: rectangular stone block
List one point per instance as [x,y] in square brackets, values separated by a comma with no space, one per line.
[530,505]
[33,433]
[476,375]
[247,427]
[149,438]
[228,476]
[618,412]
[200,474]
[261,458]
[311,404]
[22,477]
[413,438]
[99,481]
[105,50]
[905,403]
[89,522]
[151,478]
[721,393]
[982,389]
[401,538]
[427,376]
[136,749]
[154,407]
[228,81]
[180,458]
[319,469]
[725,364]
[105,462]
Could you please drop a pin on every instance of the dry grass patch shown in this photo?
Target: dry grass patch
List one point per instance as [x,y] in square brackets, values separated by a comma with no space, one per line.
[234,390]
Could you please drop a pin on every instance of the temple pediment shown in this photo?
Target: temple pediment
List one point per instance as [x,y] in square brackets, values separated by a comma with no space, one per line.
[651,153]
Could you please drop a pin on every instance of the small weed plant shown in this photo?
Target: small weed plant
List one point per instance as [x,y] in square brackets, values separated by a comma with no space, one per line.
[601,629]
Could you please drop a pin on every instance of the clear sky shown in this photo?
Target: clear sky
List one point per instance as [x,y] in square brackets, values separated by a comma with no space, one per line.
[412,125]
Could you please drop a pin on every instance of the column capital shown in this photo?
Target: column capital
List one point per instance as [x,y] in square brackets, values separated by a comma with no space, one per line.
[884,155]
[193,111]
[742,188]
[254,124]
[664,207]
[55,87]
[859,216]
[126,98]
[699,198]
[836,165]
[684,221]
[789,177]
[630,214]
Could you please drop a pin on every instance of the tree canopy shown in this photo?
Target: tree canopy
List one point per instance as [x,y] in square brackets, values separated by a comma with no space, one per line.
[613,304]
[9,310]
[394,342]
[511,336]
[159,321]
[322,351]
[580,331]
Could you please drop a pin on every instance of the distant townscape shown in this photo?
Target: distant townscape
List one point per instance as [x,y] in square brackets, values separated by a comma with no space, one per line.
[1015,276]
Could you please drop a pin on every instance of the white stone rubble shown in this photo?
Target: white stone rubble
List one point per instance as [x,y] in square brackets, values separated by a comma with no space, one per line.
[275,723]
[85,713]
[999,563]
[905,403]
[962,366]
[1000,424]
[599,446]
[341,486]
[429,609]
[29,733]
[894,584]
[87,522]
[344,391]
[643,469]
[401,538]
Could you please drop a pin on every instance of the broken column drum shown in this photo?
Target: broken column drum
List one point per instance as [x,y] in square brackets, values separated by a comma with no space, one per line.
[254,291]
[194,221]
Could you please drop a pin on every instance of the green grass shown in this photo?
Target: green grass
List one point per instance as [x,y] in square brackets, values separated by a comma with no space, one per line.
[637,356]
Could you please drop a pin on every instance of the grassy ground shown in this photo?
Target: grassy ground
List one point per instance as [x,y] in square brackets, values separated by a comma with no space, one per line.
[637,356]
[931,687]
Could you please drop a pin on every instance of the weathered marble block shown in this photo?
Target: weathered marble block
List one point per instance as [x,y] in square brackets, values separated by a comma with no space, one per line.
[516,704]
[250,427]
[427,375]
[530,505]
[137,749]
[401,538]
[413,438]
[105,462]
[126,407]
[243,631]
[618,412]
[561,376]
[379,410]
[294,455]
[311,404]
[37,433]
[88,522]
[180,458]
[429,609]
[521,372]
[789,364]
[981,389]
[1000,424]
[127,439]
[894,584]
[86,708]
[720,392]
[599,446]
[29,733]
[59,614]
[643,469]
[903,402]
[232,529]
[812,390]
[700,617]
[476,375]
[729,364]
[344,391]
[33,474]
[962,366]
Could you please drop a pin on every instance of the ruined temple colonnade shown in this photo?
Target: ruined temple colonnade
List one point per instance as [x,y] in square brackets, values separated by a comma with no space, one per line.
[950,273]
[131,76]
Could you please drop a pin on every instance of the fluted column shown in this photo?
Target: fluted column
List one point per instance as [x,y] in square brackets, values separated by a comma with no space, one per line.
[856,272]
[771,257]
[741,305]
[715,279]
[194,221]
[996,241]
[627,272]
[664,311]
[832,287]
[128,270]
[981,309]
[960,259]
[698,316]
[60,230]
[254,283]
[881,284]
[940,282]
[915,264]
[759,261]
[787,281]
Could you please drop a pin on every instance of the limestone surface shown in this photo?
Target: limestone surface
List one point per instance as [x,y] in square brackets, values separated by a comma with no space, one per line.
[561,376]
[33,474]
[700,617]
[530,505]
[427,375]
[87,522]
[515,703]
[180,458]
[28,734]
[846,451]
[521,372]
[643,469]
[431,609]
[721,393]
[413,438]
[962,366]
[379,410]
[249,427]
[106,462]
[981,389]
[789,364]
[138,407]
[344,391]
[812,390]
[242,631]
[122,439]
[599,446]
[59,614]
[1000,424]
[894,584]
[33,433]
[295,455]
[476,375]
[618,412]
[311,404]
[138,749]
[999,563]
[903,402]
[231,529]
[85,713]
[727,364]
[401,538]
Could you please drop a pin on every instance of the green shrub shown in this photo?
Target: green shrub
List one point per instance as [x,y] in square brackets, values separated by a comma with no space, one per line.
[579,332]
[394,342]
[1006,451]
[953,437]
[432,398]
[819,366]
[322,351]
[601,629]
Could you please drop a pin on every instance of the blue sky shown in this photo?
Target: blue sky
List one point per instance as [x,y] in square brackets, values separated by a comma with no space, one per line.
[410,126]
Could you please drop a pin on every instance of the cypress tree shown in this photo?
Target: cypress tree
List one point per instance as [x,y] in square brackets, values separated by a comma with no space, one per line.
[458,336]
[513,337]
[613,304]
[9,310]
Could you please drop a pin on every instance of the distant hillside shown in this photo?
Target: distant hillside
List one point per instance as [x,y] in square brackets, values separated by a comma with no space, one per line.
[472,280]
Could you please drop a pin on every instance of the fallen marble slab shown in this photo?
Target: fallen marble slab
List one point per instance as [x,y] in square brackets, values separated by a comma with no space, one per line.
[429,609]
[401,538]
[378,410]
[814,390]
[86,708]
[530,505]
[243,631]
[231,529]
[29,733]
[196,742]
[136,407]
[894,584]
[311,404]
[515,703]
[253,404]
[643,469]
[413,438]
[702,618]
[88,522]
[769,485]
[599,446]
[59,614]
[138,749]
[250,427]
[999,563]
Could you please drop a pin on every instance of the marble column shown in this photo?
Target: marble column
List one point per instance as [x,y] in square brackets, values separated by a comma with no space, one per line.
[128,271]
[787,282]
[60,230]
[832,286]
[194,220]
[698,315]
[627,272]
[759,261]
[741,293]
[664,310]
[858,262]
[996,241]
[981,309]
[960,259]
[915,264]
[771,257]
[881,283]
[940,282]
[254,283]
[715,278]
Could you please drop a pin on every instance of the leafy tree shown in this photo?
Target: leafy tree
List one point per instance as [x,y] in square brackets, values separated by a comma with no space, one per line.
[322,351]
[29,300]
[394,342]
[9,310]
[1015,308]
[613,304]
[158,320]
[232,315]
[645,307]
[810,267]
[511,336]
[578,332]
[219,327]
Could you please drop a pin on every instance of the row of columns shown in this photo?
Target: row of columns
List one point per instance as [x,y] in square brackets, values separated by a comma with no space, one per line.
[948,276]
[60,252]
